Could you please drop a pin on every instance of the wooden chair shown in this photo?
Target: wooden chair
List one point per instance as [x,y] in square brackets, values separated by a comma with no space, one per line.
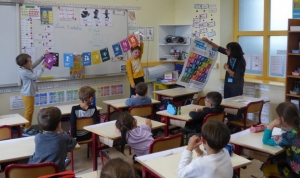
[201,101]
[142,110]
[252,107]
[5,132]
[30,170]
[217,116]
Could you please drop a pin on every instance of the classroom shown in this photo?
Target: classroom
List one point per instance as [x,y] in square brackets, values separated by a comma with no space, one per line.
[91,35]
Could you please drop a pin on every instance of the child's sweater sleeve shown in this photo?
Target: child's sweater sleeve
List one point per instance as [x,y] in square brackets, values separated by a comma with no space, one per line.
[37,62]
[267,138]
[129,72]
[187,167]
[142,50]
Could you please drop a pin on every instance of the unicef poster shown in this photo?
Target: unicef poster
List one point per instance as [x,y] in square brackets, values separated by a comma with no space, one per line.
[197,67]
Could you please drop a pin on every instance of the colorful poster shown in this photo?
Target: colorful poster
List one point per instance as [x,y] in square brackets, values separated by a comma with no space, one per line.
[96,57]
[46,15]
[70,96]
[75,95]
[104,54]
[68,59]
[116,89]
[43,98]
[85,17]
[117,49]
[197,68]
[52,97]
[66,13]
[106,16]
[50,60]
[142,31]
[125,45]
[16,102]
[96,19]
[133,40]
[26,33]
[60,96]
[37,99]
[132,18]
[56,63]
[86,59]
[103,91]
[32,12]
[77,71]
[296,9]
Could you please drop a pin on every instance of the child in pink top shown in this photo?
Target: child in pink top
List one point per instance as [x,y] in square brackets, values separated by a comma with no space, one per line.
[138,138]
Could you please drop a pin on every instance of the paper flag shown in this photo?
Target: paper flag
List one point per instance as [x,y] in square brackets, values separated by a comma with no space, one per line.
[86,59]
[104,54]
[56,64]
[117,49]
[133,41]
[68,60]
[125,45]
[96,57]
[50,60]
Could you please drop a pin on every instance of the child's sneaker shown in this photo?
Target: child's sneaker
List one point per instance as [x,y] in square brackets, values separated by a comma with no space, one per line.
[28,132]
[67,162]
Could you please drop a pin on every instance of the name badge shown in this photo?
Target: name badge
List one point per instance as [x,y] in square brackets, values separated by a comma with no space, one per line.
[230,80]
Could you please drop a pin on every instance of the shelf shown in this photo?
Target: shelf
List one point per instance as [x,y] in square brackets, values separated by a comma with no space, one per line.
[296,96]
[293,54]
[294,31]
[174,44]
[293,76]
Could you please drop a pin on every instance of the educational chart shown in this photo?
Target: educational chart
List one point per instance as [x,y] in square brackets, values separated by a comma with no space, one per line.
[78,70]
[197,68]
[46,15]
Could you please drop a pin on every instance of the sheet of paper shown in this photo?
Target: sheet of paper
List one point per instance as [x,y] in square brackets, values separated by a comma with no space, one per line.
[16,102]
[266,109]
[26,33]
[66,13]
[257,62]
[132,18]
[85,17]
[212,10]
[142,30]
[248,61]
[96,18]
[160,154]
[46,15]
[262,87]
[276,65]
[106,16]
[239,134]
[32,12]
[149,33]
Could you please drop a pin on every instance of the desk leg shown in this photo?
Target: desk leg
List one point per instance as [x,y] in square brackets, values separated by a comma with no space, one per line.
[158,97]
[19,132]
[108,112]
[237,171]
[167,122]
[94,150]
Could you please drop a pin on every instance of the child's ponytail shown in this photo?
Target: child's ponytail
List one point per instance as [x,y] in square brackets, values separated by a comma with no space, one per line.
[124,123]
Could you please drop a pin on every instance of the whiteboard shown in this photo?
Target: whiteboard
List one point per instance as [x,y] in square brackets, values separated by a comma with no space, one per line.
[9,45]
[71,37]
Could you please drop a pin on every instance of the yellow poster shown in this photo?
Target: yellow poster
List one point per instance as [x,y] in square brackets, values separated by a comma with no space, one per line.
[96,59]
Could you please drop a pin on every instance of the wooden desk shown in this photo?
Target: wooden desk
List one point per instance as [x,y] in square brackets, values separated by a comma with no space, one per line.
[107,133]
[175,92]
[66,109]
[18,149]
[119,104]
[162,86]
[240,102]
[93,174]
[13,120]
[165,163]
[178,120]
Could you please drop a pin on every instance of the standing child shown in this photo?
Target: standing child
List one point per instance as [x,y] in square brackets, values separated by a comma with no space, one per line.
[86,94]
[216,161]
[141,97]
[54,144]
[134,67]
[29,87]
[138,138]
[288,116]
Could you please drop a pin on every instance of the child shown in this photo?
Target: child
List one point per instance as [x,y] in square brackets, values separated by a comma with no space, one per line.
[216,161]
[54,144]
[138,138]
[84,109]
[117,168]
[212,105]
[141,97]
[288,116]
[134,68]
[29,86]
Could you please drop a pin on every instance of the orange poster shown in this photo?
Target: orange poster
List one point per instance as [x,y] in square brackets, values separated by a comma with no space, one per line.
[133,41]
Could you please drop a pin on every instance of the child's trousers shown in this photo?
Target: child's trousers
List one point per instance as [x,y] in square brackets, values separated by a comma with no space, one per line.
[29,109]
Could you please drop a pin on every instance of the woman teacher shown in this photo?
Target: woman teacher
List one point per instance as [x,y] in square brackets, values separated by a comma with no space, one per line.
[235,68]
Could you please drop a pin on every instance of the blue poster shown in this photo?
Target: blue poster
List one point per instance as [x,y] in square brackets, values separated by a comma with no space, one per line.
[104,54]
[43,98]
[37,99]
[117,49]
[296,9]
[52,97]
[68,60]
[86,59]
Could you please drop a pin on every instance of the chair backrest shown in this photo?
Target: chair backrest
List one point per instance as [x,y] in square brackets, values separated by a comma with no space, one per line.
[166,143]
[255,107]
[217,116]
[201,101]
[30,170]
[84,121]
[5,132]
[142,110]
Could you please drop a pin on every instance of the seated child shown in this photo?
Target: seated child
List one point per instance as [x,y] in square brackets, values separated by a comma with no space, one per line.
[84,109]
[141,97]
[138,138]
[117,168]
[216,161]
[54,144]
[289,164]
[212,105]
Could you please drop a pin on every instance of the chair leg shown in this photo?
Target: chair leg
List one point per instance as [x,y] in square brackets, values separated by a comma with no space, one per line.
[129,150]
[88,150]
[101,156]
[72,160]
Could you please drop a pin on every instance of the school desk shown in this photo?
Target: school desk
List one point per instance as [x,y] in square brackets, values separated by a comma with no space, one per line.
[165,163]
[18,149]
[175,93]
[66,109]
[253,141]
[178,120]
[94,174]
[119,104]
[107,134]
[240,102]
[162,86]
[13,120]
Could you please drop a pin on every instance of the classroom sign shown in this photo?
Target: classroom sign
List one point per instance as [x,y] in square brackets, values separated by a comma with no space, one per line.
[50,60]
[197,68]
[117,49]
[68,59]
[133,41]
[125,45]
[86,59]
[96,57]
[104,54]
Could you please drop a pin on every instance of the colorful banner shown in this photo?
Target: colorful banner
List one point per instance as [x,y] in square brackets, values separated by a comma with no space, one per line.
[46,15]
[104,54]
[117,49]
[86,59]
[49,60]
[133,41]
[96,57]
[125,45]
[68,60]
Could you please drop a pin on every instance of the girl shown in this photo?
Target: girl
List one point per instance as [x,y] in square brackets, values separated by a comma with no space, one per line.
[138,138]
[117,168]
[288,116]
[134,67]
[29,87]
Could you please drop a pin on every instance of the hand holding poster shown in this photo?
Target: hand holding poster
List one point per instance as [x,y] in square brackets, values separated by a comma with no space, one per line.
[197,68]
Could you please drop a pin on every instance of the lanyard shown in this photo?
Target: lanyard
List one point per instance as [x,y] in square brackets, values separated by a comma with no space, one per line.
[232,63]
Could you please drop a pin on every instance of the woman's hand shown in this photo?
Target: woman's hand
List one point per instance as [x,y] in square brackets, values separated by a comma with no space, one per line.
[205,40]
[226,66]
[132,86]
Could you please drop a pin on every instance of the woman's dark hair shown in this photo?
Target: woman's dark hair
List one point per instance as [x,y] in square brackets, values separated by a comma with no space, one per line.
[289,112]
[117,168]
[124,123]
[236,50]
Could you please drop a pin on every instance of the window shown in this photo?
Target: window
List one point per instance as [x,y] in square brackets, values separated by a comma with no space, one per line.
[261,30]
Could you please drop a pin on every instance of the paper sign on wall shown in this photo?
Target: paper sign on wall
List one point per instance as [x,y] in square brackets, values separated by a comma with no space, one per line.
[105,55]
[133,40]
[107,17]
[125,45]
[85,17]
[16,102]
[49,60]
[46,15]
[117,49]
[86,59]
[96,57]
[68,59]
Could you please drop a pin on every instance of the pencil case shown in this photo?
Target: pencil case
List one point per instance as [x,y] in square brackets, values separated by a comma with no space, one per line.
[230,148]
[257,128]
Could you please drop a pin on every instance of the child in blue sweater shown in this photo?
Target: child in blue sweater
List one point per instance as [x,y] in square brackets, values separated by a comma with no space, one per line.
[141,97]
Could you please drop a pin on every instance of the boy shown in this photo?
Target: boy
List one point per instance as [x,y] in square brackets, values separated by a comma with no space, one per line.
[141,97]
[84,109]
[215,162]
[212,105]
[54,144]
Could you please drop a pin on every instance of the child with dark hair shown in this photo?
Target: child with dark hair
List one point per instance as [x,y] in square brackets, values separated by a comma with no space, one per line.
[141,97]
[289,166]
[215,161]
[138,138]
[117,168]
[54,144]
